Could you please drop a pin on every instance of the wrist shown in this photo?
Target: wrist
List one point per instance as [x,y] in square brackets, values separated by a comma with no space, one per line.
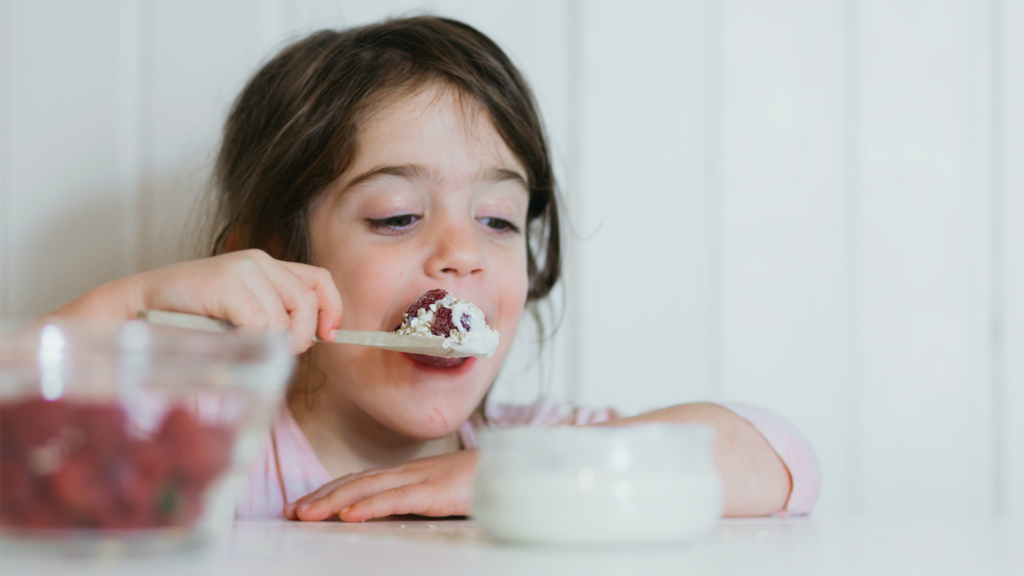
[120,299]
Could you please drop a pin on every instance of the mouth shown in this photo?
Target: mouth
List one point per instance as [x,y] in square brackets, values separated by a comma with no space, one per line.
[450,366]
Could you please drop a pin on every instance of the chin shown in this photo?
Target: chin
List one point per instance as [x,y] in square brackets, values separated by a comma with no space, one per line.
[428,421]
[429,399]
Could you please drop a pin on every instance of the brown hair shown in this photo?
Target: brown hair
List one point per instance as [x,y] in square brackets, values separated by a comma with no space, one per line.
[294,129]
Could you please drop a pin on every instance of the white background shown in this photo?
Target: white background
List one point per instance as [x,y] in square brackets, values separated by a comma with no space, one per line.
[813,205]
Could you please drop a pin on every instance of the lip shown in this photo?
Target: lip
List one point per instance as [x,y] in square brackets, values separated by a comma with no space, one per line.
[453,371]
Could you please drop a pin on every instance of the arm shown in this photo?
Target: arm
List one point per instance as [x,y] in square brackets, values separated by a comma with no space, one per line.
[755,481]
[248,288]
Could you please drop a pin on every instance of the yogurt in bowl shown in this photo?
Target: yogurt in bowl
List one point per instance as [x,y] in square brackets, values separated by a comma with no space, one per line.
[643,484]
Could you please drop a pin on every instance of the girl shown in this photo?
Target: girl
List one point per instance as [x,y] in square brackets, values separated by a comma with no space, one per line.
[361,169]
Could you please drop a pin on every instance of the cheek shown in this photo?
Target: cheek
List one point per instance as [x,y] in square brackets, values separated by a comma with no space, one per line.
[513,284]
[369,280]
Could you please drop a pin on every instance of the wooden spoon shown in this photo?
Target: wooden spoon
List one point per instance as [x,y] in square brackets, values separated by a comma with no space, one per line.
[412,344]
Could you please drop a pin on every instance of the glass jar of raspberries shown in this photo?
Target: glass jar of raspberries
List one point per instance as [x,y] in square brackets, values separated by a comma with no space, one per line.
[128,429]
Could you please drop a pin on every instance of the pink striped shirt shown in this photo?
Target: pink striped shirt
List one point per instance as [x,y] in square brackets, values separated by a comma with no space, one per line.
[288,468]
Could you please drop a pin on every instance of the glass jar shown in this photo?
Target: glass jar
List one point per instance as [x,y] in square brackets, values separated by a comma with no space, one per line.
[130,431]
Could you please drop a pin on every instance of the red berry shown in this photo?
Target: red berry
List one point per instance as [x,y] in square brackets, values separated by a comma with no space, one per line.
[102,427]
[83,488]
[43,515]
[17,490]
[7,444]
[33,422]
[442,322]
[197,453]
[425,300]
[144,472]
[121,518]
[149,459]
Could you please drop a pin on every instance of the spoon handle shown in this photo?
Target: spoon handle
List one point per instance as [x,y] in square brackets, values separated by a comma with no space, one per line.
[383,340]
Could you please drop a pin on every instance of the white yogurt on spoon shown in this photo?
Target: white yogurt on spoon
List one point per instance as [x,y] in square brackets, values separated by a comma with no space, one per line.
[460,323]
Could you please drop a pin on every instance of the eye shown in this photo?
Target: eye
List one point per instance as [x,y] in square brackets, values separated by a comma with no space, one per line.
[392,223]
[499,224]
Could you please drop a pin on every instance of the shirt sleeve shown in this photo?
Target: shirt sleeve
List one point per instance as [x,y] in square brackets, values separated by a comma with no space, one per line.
[794,450]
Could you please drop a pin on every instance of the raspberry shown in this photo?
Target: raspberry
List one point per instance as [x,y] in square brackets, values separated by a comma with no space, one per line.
[102,477]
[43,515]
[82,488]
[144,472]
[33,422]
[103,428]
[148,459]
[198,454]
[442,322]
[424,301]
[16,490]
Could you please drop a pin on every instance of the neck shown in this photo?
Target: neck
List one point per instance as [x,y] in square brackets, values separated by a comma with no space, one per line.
[347,440]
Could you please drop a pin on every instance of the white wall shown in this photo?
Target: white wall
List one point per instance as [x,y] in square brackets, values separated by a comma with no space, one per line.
[818,204]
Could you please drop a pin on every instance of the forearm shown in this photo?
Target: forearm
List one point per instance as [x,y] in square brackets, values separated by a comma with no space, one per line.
[755,481]
[117,300]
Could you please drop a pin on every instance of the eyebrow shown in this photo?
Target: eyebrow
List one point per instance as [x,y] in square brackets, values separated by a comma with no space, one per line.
[415,172]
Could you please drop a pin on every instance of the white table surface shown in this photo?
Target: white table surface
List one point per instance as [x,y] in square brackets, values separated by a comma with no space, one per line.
[420,547]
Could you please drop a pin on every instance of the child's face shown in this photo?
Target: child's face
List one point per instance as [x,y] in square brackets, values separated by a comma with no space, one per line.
[434,199]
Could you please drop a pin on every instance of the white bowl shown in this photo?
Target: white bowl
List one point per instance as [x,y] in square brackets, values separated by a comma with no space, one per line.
[651,483]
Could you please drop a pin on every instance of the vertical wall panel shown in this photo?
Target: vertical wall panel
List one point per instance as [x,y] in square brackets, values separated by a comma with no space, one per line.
[68,228]
[131,129]
[1011,251]
[4,200]
[201,54]
[785,228]
[924,219]
[644,193]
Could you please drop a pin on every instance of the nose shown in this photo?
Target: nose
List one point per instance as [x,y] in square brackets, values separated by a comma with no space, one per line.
[456,252]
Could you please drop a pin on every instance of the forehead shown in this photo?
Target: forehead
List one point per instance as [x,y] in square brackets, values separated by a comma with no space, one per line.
[434,126]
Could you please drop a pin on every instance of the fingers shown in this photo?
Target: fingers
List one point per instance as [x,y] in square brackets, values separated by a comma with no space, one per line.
[322,507]
[300,298]
[329,299]
[291,508]
[253,279]
[251,290]
[405,499]
[298,302]
[435,486]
